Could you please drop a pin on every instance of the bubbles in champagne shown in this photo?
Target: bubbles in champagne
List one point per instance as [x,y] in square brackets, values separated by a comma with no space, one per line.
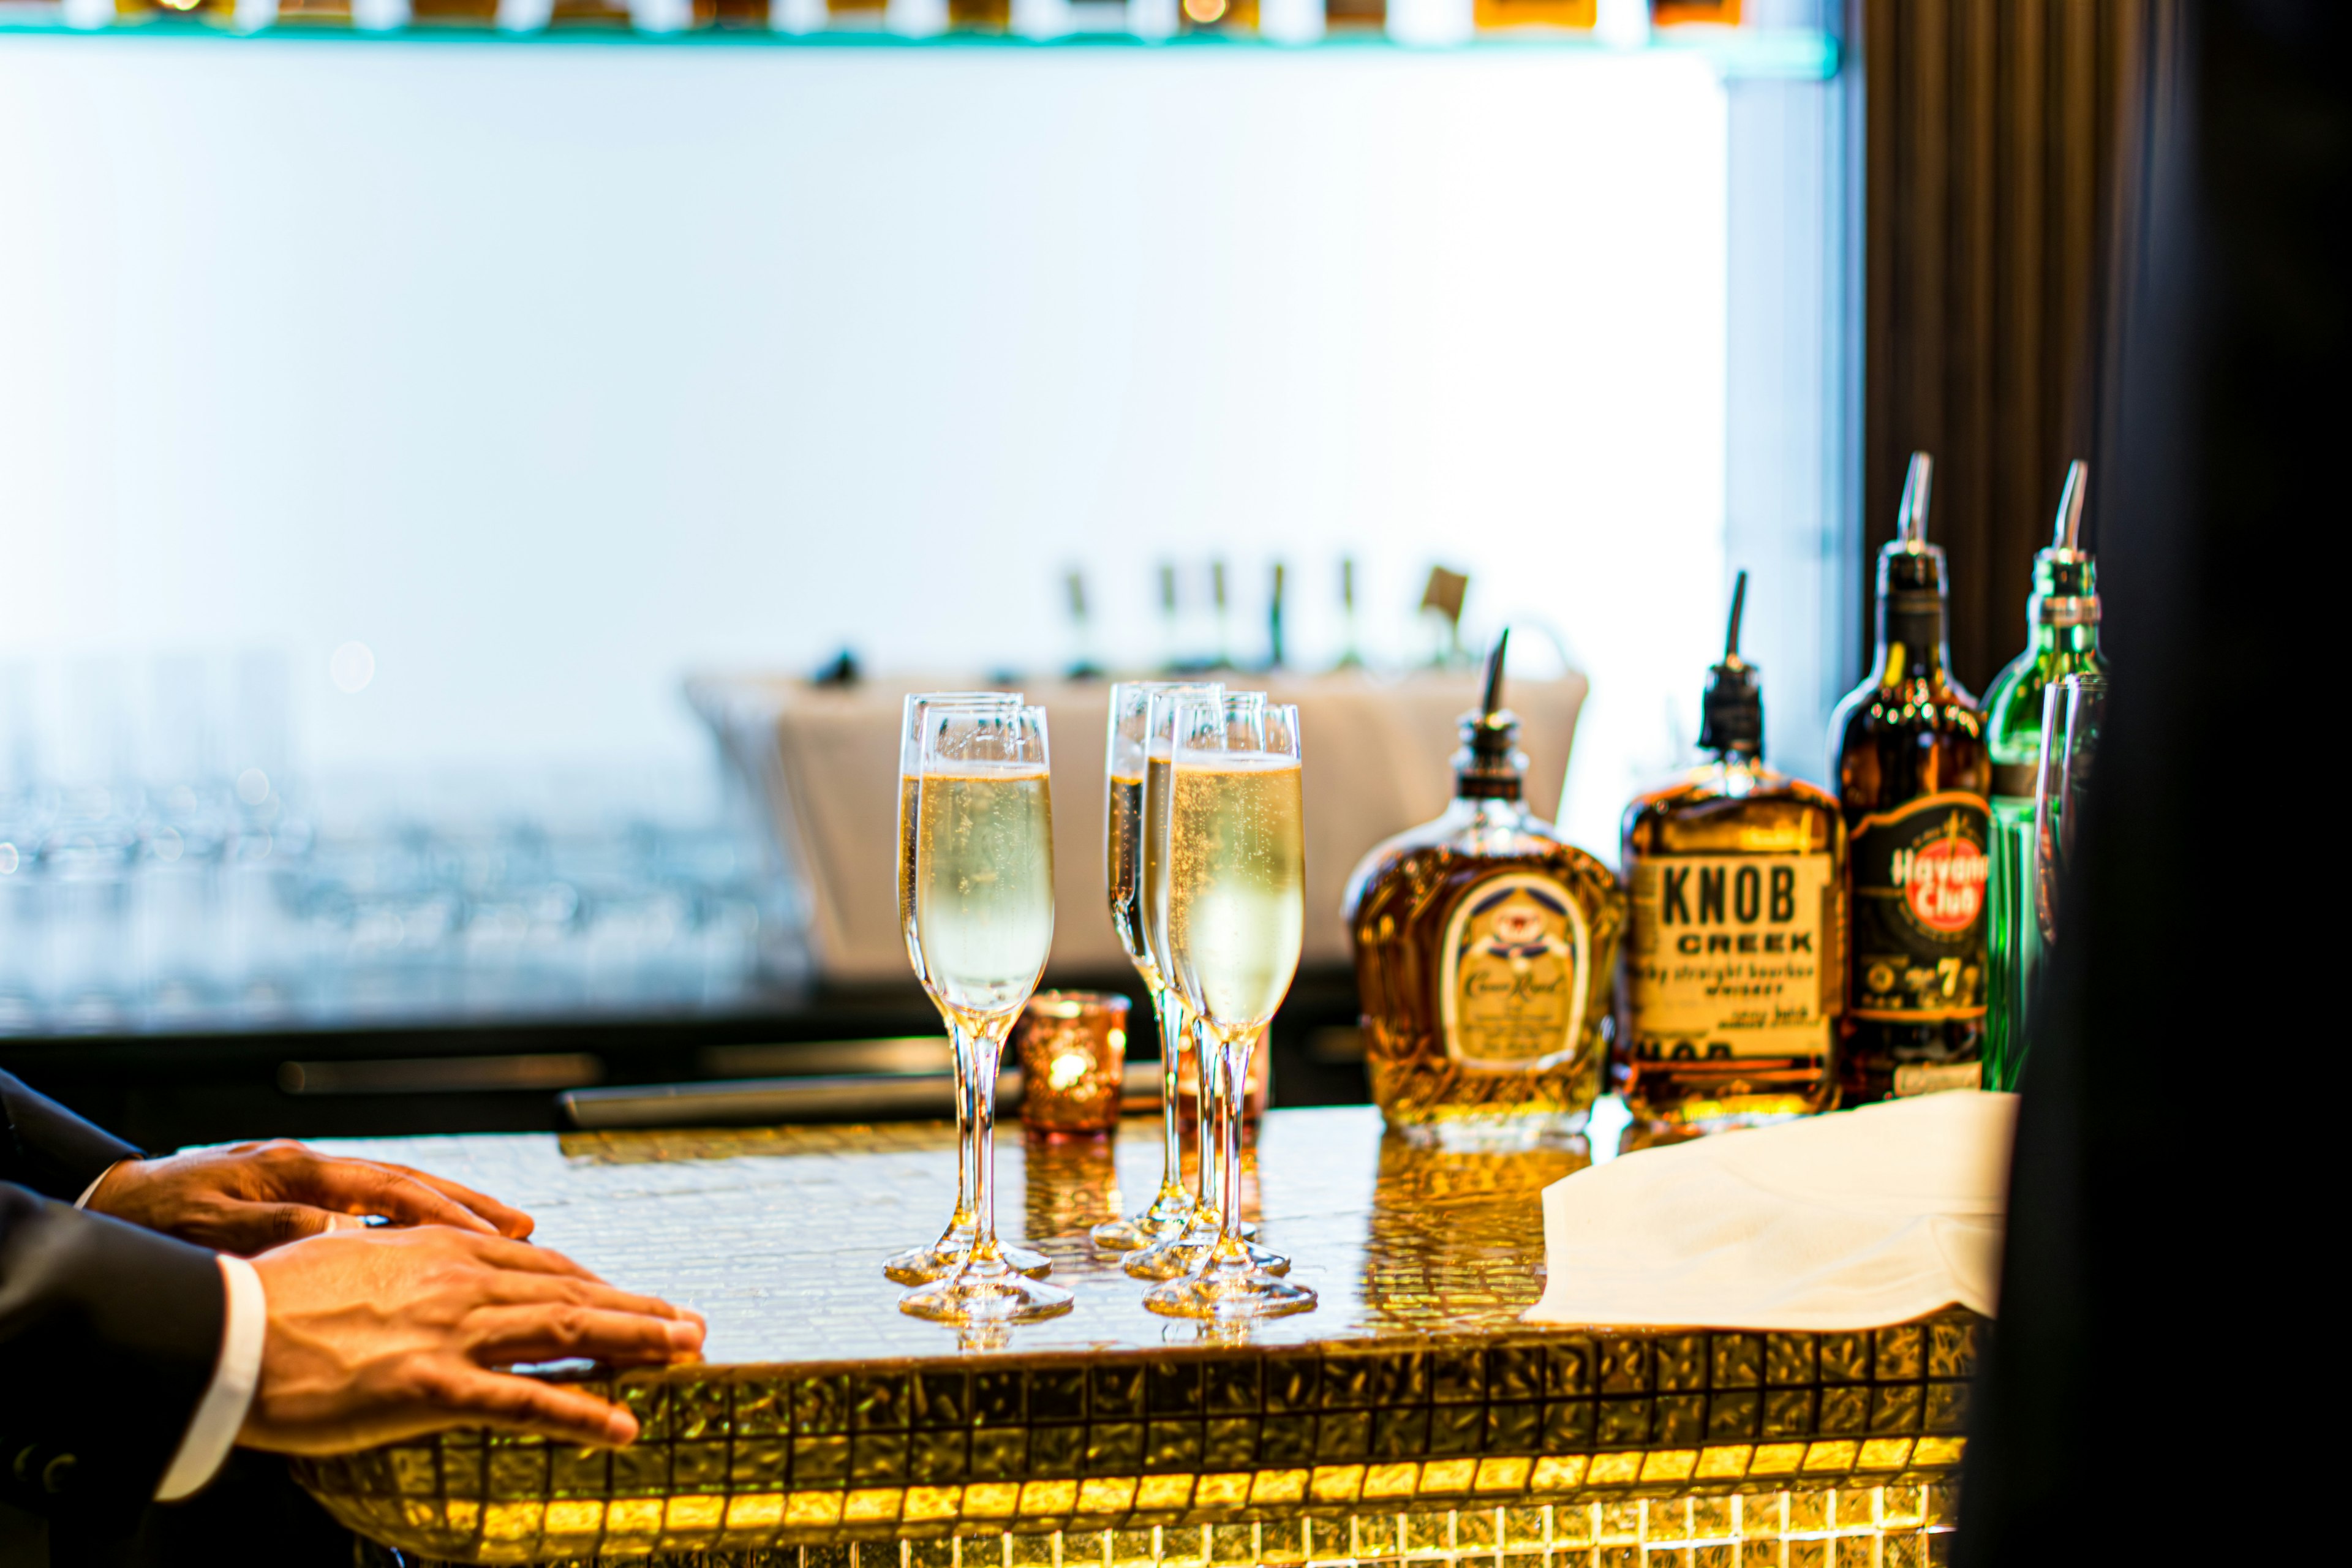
[984,885]
[1236,908]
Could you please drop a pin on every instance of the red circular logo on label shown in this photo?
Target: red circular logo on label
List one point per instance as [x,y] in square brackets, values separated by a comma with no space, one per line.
[1520,926]
[1944,884]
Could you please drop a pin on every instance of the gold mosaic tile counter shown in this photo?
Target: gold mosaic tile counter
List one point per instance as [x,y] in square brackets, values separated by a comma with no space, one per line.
[1410,1415]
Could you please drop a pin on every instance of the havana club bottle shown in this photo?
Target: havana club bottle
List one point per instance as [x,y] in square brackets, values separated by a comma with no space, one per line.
[1485,954]
[1912,776]
[1735,962]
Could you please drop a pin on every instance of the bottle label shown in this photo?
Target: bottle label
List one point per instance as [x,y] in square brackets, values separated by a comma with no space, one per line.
[1919,876]
[1515,975]
[1934,1078]
[1728,955]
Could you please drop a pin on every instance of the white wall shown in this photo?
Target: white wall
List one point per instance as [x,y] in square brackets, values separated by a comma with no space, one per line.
[550,372]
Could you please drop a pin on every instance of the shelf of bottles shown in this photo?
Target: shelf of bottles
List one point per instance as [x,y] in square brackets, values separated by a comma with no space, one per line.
[1781,38]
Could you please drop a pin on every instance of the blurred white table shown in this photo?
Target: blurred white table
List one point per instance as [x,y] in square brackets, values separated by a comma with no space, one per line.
[824,761]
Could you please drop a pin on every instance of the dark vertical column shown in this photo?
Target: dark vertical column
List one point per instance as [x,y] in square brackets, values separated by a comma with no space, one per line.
[2153,1286]
[1990,143]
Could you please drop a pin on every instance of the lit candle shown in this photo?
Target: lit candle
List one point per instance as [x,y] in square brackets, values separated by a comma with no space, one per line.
[1072,1060]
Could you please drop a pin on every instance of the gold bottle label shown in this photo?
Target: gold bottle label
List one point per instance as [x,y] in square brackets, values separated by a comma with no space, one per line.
[1726,956]
[1515,975]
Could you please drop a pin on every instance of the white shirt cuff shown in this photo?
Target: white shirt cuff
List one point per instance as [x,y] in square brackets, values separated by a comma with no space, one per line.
[83,1201]
[220,1414]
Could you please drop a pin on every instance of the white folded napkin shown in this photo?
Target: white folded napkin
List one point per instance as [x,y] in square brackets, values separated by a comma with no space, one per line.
[1852,1220]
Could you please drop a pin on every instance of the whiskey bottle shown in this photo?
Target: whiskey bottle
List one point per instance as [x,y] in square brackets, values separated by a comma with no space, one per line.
[1735,962]
[1486,951]
[2062,620]
[1912,774]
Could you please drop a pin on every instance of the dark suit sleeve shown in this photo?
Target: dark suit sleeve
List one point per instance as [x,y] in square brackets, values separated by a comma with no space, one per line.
[49,1149]
[109,1337]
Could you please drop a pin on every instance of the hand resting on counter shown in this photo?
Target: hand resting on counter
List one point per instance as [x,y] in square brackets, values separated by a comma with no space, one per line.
[376,1335]
[254,1196]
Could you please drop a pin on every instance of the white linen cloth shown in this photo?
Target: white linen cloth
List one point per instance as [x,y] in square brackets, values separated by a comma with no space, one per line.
[1852,1220]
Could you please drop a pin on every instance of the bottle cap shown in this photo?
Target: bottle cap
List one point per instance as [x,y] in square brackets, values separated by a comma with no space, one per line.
[1907,563]
[1731,715]
[1490,764]
[2065,579]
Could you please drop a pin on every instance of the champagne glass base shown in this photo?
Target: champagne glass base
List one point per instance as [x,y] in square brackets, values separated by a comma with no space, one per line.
[1132,1233]
[986,1293]
[1180,1255]
[921,1265]
[1227,1293]
[1138,1232]
[1170,1212]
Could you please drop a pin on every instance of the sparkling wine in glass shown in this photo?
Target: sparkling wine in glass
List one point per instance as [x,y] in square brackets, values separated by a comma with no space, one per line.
[916,1265]
[984,922]
[1181,1252]
[1130,704]
[1235,914]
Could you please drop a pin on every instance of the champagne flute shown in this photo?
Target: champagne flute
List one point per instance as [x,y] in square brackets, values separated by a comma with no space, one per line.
[1236,913]
[1181,1252]
[2074,709]
[1131,706]
[918,1265]
[983,897]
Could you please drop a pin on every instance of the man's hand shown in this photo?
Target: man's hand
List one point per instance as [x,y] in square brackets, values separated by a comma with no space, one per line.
[379,1335]
[255,1196]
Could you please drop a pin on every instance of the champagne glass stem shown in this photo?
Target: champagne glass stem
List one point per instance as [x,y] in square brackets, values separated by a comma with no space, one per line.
[967,1146]
[1234,1056]
[987,1049]
[1170,1012]
[1211,1113]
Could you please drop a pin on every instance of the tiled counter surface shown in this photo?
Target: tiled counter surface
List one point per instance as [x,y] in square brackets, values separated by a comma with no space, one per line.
[1410,1415]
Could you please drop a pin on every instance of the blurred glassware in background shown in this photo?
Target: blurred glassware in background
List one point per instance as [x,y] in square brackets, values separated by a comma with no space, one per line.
[1619,21]
[158,873]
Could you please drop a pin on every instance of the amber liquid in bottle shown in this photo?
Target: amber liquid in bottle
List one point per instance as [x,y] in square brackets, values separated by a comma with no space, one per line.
[1738,879]
[1735,962]
[1485,957]
[1913,770]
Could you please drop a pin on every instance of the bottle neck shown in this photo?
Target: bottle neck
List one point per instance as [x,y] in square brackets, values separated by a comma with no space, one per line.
[1736,772]
[1473,784]
[2056,641]
[1911,636]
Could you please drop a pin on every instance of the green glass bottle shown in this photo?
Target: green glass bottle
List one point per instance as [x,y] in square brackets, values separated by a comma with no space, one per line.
[2062,619]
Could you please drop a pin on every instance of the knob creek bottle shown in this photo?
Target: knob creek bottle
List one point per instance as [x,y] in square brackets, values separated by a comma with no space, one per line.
[1734,968]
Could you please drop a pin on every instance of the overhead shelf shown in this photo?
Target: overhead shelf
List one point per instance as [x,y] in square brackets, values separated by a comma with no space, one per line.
[1799,54]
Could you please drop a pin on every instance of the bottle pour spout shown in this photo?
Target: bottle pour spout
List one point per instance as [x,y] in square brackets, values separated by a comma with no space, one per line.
[1490,764]
[1731,713]
[1911,517]
[1491,704]
[2068,533]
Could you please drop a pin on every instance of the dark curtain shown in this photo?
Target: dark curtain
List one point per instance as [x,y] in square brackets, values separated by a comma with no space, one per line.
[2158,1351]
[1991,133]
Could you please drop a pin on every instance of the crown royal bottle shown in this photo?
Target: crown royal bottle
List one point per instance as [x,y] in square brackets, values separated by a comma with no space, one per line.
[1912,773]
[1735,962]
[1486,951]
[2063,616]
